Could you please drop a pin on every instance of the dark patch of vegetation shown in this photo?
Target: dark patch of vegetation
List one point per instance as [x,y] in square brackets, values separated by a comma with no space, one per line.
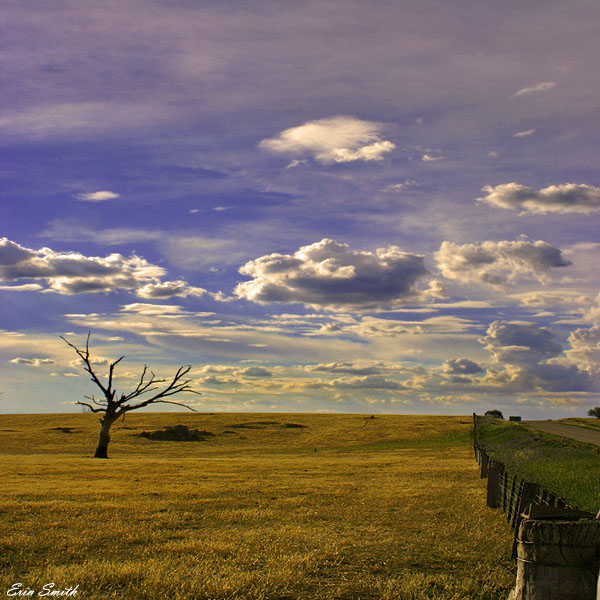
[594,412]
[294,426]
[63,429]
[177,433]
[496,414]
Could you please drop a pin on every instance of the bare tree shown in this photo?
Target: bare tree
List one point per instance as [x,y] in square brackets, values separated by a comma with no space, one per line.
[112,407]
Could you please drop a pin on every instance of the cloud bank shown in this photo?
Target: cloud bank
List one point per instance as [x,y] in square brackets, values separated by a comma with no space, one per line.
[71,273]
[565,198]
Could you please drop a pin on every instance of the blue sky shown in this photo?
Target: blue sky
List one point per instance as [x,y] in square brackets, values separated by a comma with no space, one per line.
[336,206]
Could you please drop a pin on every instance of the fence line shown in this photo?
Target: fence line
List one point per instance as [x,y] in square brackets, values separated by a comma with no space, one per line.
[510,492]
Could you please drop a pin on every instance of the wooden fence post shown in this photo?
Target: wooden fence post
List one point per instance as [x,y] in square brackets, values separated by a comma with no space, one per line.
[528,493]
[495,471]
[557,560]
[484,464]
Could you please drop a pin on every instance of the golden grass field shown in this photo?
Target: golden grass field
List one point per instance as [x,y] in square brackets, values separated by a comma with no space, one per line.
[347,507]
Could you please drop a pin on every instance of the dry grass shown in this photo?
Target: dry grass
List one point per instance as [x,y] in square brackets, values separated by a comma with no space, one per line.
[345,508]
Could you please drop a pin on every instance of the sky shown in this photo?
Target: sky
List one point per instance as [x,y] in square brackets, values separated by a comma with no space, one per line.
[322,206]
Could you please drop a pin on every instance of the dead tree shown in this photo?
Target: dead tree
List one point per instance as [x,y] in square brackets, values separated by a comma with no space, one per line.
[112,407]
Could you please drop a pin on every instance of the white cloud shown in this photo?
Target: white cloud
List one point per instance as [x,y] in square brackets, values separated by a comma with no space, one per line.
[498,263]
[328,274]
[32,362]
[99,196]
[585,347]
[26,287]
[142,308]
[399,187]
[564,198]
[332,140]
[431,158]
[525,133]
[543,86]
[295,163]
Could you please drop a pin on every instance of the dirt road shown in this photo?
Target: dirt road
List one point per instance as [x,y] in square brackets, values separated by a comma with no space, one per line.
[580,434]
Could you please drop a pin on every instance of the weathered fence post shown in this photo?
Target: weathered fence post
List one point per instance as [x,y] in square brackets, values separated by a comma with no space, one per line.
[529,492]
[557,560]
[495,471]
[485,461]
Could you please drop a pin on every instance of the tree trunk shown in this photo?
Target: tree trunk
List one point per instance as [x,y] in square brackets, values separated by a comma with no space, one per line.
[104,440]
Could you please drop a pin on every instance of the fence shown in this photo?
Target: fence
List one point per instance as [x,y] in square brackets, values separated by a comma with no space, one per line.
[556,546]
[513,494]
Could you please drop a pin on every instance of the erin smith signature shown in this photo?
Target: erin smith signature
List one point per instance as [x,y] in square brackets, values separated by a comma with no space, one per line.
[49,590]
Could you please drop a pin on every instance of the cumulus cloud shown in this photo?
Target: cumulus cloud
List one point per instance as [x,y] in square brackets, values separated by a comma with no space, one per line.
[461,366]
[71,273]
[564,198]
[529,354]
[498,263]
[543,86]
[99,196]
[328,274]
[585,347]
[332,140]
[517,342]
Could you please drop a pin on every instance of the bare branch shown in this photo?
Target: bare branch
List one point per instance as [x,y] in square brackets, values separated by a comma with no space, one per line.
[143,387]
[111,369]
[88,367]
[96,402]
[126,409]
[92,408]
